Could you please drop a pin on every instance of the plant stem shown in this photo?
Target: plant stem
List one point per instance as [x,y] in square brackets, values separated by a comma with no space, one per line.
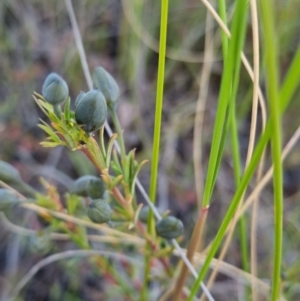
[115,119]
[268,29]
[193,246]
[115,191]
[27,189]
[57,110]
[237,177]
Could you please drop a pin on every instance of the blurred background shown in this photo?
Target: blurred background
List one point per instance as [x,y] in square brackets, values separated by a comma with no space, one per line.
[36,38]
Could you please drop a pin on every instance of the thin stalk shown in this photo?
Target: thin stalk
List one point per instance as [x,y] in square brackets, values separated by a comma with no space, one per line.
[120,138]
[223,16]
[196,240]
[156,136]
[255,38]
[193,246]
[235,146]
[27,189]
[237,177]
[268,29]
[226,95]
[159,98]
[115,191]
[118,129]
[201,103]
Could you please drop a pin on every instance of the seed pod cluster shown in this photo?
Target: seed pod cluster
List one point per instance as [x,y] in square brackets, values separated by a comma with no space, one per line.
[169,227]
[99,211]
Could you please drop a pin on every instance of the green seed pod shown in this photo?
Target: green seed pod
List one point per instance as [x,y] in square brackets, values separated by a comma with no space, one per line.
[80,186]
[55,89]
[91,111]
[7,200]
[9,174]
[96,188]
[107,85]
[143,216]
[79,98]
[169,227]
[99,211]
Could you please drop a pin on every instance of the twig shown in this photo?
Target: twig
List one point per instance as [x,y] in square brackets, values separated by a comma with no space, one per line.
[255,35]
[64,255]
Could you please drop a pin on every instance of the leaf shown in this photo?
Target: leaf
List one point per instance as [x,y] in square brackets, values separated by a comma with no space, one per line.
[73,202]
[95,150]
[101,142]
[137,213]
[133,180]
[53,117]
[51,144]
[109,148]
[116,160]
[64,132]
[131,163]
[116,181]
[115,168]
[41,103]
[67,110]
[50,132]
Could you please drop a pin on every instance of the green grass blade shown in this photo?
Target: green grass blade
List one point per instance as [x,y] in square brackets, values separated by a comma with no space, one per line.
[159,98]
[291,81]
[268,29]
[231,67]
[222,14]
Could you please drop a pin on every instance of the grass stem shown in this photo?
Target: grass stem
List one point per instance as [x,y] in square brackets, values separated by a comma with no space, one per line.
[269,34]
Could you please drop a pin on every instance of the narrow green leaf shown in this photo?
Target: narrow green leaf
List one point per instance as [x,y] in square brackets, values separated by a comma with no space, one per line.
[272,76]
[227,94]
[51,144]
[101,141]
[116,181]
[50,132]
[110,148]
[67,109]
[134,177]
[116,161]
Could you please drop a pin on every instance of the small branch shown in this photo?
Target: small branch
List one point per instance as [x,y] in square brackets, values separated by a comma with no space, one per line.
[193,246]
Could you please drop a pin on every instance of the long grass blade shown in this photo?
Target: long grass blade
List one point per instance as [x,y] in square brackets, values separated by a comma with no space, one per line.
[268,29]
